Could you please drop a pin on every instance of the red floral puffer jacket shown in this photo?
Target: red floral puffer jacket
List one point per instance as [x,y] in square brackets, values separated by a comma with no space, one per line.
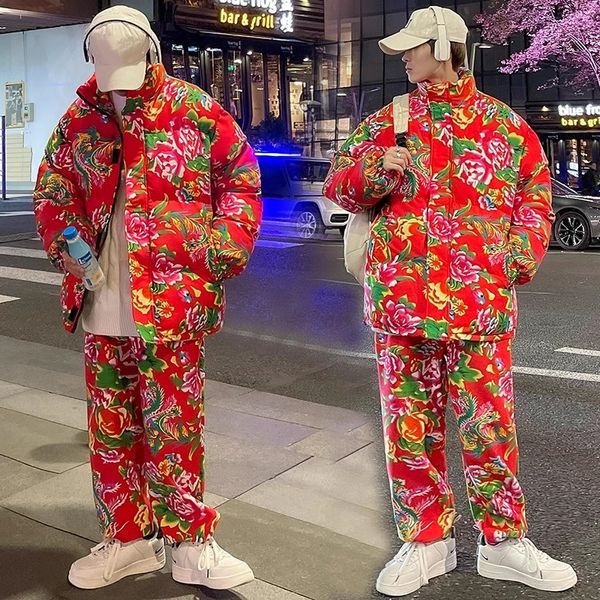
[193,200]
[470,218]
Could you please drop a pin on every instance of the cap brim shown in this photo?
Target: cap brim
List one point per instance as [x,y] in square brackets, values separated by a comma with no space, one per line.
[111,78]
[401,42]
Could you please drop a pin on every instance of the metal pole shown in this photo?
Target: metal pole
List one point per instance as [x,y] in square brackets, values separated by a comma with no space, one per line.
[3,135]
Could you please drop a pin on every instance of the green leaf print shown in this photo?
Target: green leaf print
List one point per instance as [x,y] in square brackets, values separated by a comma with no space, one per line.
[109,379]
[439,110]
[151,363]
[460,145]
[379,292]
[410,388]
[434,329]
[153,137]
[148,332]
[488,488]
[199,164]
[465,373]
[509,175]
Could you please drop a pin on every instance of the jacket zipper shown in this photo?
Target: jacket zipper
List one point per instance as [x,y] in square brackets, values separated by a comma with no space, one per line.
[104,232]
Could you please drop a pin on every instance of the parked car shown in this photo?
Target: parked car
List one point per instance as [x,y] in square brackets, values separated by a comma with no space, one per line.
[577,222]
[292,189]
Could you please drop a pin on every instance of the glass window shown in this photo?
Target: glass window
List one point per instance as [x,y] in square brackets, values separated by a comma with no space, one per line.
[372,62]
[257,87]
[194,63]
[394,68]
[558,189]
[216,74]
[307,170]
[372,26]
[537,79]
[274,92]
[234,81]
[372,100]
[394,22]
[327,67]
[178,61]
[349,72]
[468,11]
[272,176]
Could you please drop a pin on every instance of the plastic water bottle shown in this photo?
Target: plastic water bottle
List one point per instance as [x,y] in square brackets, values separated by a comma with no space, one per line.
[93,277]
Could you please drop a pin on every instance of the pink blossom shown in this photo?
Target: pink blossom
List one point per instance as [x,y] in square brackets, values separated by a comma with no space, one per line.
[440,227]
[165,271]
[138,230]
[191,383]
[497,148]
[182,505]
[504,504]
[392,366]
[462,269]
[189,139]
[399,319]
[475,168]
[506,386]
[195,318]
[486,321]
[167,161]
[387,274]
[526,216]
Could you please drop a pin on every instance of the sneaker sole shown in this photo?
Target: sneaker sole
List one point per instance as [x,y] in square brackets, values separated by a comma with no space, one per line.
[147,565]
[507,574]
[195,577]
[437,570]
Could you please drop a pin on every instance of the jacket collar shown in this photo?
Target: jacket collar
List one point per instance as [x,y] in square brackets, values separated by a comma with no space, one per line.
[89,92]
[453,93]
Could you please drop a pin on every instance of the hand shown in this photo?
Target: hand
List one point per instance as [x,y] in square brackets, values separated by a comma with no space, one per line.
[72,266]
[397,158]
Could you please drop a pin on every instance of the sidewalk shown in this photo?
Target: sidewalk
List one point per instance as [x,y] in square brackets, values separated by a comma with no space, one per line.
[300,487]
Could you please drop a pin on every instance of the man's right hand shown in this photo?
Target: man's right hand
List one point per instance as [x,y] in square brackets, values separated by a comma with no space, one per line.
[397,158]
[72,266]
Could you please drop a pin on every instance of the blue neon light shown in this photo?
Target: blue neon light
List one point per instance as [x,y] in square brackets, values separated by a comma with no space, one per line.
[278,154]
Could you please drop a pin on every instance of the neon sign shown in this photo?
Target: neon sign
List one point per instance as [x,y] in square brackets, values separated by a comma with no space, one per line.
[579,116]
[253,14]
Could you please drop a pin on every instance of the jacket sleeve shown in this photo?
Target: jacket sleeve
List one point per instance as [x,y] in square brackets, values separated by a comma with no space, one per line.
[235,180]
[532,216]
[57,200]
[357,180]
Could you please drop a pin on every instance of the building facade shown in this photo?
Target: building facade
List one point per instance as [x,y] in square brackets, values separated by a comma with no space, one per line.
[306,72]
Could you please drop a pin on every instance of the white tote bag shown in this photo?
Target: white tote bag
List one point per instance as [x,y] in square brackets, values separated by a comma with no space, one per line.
[358,228]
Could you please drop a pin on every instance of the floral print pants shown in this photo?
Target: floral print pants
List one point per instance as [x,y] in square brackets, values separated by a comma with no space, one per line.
[146,430]
[417,378]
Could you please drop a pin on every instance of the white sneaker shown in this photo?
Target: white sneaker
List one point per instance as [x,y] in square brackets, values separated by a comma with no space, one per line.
[209,565]
[111,560]
[415,565]
[520,560]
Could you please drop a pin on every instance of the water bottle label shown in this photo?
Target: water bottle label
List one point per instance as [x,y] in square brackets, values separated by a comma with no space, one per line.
[85,258]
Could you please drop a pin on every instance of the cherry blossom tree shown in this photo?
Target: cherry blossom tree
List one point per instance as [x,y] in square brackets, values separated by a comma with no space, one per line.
[561,33]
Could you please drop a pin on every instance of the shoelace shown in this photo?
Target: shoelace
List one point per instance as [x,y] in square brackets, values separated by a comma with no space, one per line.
[409,554]
[108,550]
[211,555]
[535,558]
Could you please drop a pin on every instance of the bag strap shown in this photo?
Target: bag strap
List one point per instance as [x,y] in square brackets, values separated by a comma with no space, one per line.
[401,114]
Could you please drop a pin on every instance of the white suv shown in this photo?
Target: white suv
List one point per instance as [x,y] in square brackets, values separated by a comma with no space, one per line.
[292,191]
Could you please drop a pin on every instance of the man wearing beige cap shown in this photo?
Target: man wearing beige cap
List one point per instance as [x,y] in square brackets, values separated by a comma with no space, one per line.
[161,183]
[461,214]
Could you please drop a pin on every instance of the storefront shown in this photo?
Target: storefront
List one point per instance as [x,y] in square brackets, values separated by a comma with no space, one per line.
[255,57]
[570,133]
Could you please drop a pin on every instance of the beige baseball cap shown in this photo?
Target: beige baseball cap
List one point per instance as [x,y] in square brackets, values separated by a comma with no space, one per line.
[424,25]
[118,41]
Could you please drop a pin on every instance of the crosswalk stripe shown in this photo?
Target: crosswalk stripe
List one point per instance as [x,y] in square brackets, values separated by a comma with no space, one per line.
[22,252]
[4,299]
[31,275]
[17,213]
[581,351]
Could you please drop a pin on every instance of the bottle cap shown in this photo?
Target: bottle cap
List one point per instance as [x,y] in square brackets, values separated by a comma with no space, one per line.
[70,233]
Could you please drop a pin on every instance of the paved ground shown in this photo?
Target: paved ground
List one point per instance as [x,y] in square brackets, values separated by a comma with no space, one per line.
[294,447]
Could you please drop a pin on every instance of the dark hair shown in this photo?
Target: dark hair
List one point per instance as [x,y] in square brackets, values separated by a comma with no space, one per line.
[458,53]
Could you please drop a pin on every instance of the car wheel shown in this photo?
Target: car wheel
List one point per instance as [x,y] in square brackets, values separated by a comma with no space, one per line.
[309,224]
[572,231]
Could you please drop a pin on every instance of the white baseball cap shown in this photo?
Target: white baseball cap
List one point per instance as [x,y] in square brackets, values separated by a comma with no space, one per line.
[118,41]
[433,23]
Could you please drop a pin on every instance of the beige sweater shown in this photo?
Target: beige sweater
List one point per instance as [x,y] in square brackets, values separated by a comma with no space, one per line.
[108,311]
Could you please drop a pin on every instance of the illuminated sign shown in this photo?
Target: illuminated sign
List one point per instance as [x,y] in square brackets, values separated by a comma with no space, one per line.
[257,14]
[587,116]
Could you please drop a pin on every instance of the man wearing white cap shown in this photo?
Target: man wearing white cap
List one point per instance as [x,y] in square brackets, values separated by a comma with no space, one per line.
[461,213]
[161,183]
